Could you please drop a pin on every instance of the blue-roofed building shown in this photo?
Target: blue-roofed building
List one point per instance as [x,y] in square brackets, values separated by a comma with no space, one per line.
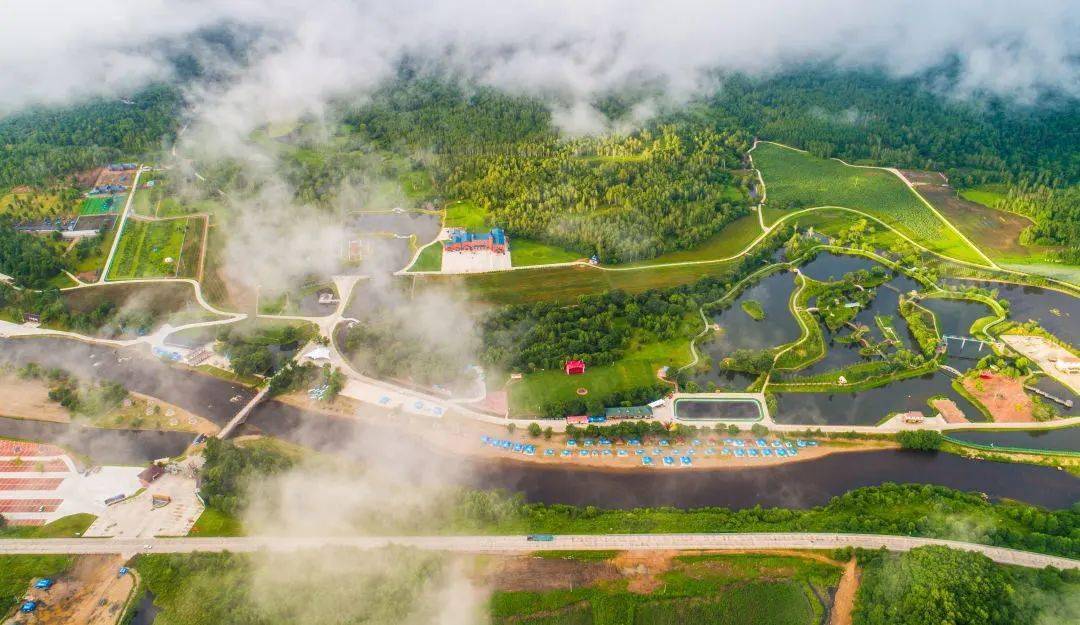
[462,240]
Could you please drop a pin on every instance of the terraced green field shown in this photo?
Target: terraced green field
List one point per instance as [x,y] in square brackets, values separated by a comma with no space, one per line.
[796,180]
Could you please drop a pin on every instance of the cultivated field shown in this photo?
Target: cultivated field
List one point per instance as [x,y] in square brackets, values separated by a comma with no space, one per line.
[796,180]
[151,249]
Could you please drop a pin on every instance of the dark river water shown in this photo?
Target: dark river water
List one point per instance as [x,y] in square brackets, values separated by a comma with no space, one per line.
[136,369]
[102,446]
[800,484]
[796,484]
[1062,439]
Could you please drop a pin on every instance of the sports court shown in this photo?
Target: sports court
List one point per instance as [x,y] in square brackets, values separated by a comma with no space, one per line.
[102,205]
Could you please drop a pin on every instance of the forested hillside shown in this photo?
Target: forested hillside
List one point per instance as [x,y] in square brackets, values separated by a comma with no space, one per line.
[911,123]
[44,143]
[623,198]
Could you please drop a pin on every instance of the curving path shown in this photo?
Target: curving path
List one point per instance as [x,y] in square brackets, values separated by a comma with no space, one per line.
[518,544]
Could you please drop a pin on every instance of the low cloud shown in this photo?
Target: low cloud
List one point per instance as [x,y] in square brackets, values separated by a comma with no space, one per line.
[53,51]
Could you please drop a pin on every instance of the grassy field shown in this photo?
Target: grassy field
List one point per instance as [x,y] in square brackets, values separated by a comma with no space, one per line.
[416,185]
[145,246]
[95,262]
[64,527]
[430,258]
[734,238]
[795,180]
[721,589]
[989,195]
[143,202]
[213,522]
[637,370]
[527,253]
[188,266]
[33,205]
[464,214]
[565,284]
[16,573]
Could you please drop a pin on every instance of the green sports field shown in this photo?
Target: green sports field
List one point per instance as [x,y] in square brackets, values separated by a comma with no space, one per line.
[102,205]
[797,180]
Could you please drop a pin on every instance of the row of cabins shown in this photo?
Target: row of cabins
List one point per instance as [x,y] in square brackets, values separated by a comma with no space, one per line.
[122,166]
[462,240]
[617,413]
[108,188]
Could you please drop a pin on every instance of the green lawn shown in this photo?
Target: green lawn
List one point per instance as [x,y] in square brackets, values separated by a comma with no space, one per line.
[430,258]
[143,202]
[464,214]
[526,253]
[989,195]
[213,522]
[416,185]
[636,370]
[16,573]
[795,180]
[734,238]
[64,527]
[144,248]
[96,260]
[565,284]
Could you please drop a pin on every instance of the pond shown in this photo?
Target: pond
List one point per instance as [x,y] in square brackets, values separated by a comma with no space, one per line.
[1058,312]
[718,409]
[1048,384]
[870,406]
[738,330]
[145,611]
[1061,439]
[828,267]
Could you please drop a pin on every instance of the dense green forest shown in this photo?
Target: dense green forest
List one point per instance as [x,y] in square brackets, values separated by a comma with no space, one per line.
[41,144]
[228,469]
[622,198]
[913,123]
[935,585]
[27,259]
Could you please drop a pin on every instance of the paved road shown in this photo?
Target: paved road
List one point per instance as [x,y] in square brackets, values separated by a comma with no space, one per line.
[517,544]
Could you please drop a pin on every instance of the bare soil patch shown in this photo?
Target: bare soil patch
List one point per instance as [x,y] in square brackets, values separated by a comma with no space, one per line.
[642,569]
[530,573]
[990,229]
[918,177]
[1003,396]
[29,399]
[949,411]
[90,593]
[844,600]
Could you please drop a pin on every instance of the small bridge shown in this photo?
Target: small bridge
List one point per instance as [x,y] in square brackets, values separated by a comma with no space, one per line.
[242,416]
[953,371]
[1068,403]
[964,340]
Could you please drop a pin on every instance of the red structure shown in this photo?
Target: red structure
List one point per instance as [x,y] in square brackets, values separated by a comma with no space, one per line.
[575,367]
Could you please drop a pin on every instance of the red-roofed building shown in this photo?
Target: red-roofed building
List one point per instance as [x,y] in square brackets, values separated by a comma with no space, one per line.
[575,367]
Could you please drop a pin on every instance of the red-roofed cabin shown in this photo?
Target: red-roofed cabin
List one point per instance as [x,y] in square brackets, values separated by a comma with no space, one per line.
[575,367]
